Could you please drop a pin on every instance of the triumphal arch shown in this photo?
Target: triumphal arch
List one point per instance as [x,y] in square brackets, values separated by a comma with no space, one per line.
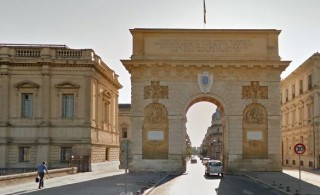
[237,70]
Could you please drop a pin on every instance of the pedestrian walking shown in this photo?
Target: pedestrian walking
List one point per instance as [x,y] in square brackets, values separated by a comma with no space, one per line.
[41,171]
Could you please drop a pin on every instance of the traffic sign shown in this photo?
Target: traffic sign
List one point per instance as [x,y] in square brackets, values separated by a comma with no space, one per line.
[299,148]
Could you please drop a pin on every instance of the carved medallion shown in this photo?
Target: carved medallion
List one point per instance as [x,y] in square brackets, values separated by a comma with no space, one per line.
[254,114]
[155,113]
[205,80]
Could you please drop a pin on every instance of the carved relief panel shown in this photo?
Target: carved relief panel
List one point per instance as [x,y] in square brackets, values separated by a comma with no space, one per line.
[255,132]
[255,91]
[155,132]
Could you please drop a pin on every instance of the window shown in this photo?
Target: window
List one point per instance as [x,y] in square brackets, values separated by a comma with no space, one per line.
[309,82]
[107,154]
[293,91]
[286,118]
[310,145]
[124,132]
[67,106]
[27,105]
[106,111]
[293,116]
[24,154]
[68,92]
[287,144]
[287,95]
[301,114]
[65,154]
[301,162]
[310,164]
[300,86]
[309,112]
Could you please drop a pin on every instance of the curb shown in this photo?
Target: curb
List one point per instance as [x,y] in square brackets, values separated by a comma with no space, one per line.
[149,190]
[270,185]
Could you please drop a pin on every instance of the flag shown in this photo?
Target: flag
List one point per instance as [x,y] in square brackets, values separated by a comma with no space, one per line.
[204,12]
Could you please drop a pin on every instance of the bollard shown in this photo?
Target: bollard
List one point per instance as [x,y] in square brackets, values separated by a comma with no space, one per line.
[274,183]
[297,192]
[138,192]
[280,186]
[288,189]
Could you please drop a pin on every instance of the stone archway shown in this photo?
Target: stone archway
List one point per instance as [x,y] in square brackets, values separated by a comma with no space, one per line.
[219,103]
[171,69]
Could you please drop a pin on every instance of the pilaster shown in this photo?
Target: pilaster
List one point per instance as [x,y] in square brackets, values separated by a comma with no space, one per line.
[46,95]
[4,119]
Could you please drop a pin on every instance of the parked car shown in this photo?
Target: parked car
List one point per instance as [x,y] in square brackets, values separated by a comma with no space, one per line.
[193,160]
[214,167]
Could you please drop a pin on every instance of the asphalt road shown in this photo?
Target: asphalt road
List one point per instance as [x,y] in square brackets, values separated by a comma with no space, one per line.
[195,183]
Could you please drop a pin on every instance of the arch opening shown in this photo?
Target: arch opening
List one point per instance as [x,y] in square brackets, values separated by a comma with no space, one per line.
[205,127]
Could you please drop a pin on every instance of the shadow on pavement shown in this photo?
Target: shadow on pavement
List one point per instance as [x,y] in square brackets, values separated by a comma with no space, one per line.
[285,182]
[112,185]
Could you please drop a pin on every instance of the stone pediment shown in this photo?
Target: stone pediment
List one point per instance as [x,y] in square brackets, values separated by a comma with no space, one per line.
[67,85]
[26,84]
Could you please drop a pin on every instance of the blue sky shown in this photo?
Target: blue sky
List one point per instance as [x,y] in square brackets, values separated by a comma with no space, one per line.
[103,25]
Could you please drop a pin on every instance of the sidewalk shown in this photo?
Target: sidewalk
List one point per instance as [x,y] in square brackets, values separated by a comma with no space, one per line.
[114,182]
[288,181]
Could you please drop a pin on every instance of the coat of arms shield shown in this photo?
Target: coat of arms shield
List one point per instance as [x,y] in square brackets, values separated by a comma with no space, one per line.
[205,80]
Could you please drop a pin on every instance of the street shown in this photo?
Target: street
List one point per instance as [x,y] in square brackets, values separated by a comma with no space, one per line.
[194,182]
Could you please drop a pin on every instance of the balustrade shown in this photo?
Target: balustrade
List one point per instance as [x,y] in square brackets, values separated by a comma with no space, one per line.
[69,54]
[28,53]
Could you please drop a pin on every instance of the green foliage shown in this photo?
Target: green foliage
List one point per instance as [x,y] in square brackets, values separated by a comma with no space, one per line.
[204,152]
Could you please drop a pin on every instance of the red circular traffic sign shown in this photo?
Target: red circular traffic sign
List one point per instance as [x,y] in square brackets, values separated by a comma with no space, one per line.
[299,148]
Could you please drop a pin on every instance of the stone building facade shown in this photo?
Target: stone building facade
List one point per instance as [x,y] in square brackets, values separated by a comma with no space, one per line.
[58,105]
[212,143]
[125,133]
[300,111]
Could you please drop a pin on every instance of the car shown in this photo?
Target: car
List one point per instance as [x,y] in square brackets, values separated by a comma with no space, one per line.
[193,160]
[214,167]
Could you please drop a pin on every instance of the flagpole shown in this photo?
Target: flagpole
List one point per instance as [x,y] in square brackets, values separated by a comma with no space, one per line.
[204,14]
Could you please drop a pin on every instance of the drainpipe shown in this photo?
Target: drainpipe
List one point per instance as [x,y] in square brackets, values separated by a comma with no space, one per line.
[314,145]
[315,128]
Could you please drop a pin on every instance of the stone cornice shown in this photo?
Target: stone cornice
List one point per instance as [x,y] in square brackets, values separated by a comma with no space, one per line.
[101,68]
[306,66]
[130,64]
[55,56]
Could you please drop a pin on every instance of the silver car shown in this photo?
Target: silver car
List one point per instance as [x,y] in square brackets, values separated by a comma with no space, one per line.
[214,167]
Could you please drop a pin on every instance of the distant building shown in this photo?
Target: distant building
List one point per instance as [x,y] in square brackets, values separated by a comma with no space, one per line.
[300,110]
[125,133]
[58,105]
[213,140]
